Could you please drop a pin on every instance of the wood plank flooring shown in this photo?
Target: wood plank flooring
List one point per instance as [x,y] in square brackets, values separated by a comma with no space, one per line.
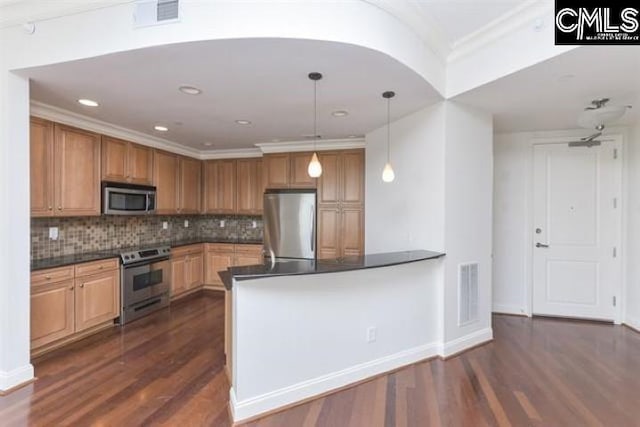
[167,369]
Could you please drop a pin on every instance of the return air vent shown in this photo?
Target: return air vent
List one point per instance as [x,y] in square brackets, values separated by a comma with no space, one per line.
[155,12]
[468,293]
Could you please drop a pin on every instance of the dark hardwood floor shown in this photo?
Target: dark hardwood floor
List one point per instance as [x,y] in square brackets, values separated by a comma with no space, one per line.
[167,369]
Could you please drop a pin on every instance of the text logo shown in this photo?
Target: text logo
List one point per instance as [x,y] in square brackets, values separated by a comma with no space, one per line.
[584,22]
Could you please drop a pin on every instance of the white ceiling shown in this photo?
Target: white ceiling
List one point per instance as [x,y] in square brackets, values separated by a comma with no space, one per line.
[261,80]
[546,97]
[457,19]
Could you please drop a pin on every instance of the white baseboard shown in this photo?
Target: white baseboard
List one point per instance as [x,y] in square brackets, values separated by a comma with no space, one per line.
[15,377]
[460,344]
[508,309]
[632,322]
[254,406]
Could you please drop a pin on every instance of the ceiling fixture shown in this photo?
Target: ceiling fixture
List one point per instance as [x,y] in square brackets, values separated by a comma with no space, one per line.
[315,168]
[88,102]
[161,128]
[207,144]
[340,113]
[387,173]
[190,90]
[596,116]
[243,122]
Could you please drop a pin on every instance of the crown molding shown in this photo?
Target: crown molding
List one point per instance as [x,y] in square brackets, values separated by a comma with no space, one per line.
[500,27]
[240,153]
[297,146]
[59,115]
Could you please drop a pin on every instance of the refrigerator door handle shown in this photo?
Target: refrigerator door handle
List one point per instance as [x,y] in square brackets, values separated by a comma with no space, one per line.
[313,228]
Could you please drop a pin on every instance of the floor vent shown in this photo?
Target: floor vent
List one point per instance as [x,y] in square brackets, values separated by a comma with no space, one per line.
[468,293]
[154,12]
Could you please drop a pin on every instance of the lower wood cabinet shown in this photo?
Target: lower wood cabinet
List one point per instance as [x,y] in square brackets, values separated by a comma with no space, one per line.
[67,301]
[187,269]
[218,257]
[248,255]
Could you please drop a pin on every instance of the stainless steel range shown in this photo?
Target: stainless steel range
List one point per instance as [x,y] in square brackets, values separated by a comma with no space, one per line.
[145,282]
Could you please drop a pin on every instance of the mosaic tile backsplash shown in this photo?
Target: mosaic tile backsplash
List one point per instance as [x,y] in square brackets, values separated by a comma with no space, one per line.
[91,234]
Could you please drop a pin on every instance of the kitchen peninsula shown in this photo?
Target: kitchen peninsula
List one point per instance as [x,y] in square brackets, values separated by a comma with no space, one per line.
[298,329]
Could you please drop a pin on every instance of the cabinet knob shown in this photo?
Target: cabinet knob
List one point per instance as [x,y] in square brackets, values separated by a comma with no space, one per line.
[101,267]
[50,207]
[82,285]
[47,277]
[59,208]
[71,288]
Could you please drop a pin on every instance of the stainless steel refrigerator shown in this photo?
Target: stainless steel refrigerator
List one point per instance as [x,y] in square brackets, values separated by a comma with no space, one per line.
[290,224]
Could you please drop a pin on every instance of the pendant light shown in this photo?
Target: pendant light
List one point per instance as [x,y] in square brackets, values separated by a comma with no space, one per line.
[315,168]
[387,173]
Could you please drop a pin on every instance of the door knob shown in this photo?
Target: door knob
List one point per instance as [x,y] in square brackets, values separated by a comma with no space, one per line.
[541,245]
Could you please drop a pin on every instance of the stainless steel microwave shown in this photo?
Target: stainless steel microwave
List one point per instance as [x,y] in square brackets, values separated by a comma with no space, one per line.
[128,199]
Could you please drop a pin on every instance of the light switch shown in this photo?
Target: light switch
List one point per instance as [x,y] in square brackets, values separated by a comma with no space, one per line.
[165,225]
[53,233]
[254,224]
[222,221]
[186,223]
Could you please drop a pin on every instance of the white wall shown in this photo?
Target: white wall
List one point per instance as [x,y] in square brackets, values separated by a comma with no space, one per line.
[632,300]
[299,336]
[407,213]
[468,214]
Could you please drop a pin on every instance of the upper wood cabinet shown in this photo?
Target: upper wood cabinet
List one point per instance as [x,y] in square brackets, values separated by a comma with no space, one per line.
[287,170]
[219,193]
[41,164]
[165,178]
[190,189]
[76,172]
[124,161]
[329,181]
[249,184]
[352,177]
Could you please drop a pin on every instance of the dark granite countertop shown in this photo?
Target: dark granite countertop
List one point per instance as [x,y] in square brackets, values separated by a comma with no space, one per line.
[60,261]
[299,267]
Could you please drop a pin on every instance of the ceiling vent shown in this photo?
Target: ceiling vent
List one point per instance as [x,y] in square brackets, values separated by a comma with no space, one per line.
[155,12]
[468,293]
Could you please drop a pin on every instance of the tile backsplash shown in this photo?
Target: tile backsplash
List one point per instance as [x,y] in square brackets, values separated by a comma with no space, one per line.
[90,234]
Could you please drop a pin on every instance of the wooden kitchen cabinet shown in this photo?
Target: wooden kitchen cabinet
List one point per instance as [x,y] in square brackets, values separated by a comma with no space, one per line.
[328,232]
[329,181]
[218,257]
[124,161]
[248,255]
[187,269]
[219,192]
[195,271]
[178,275]
[165,178]
[189,188]
[287,170]
[352,232]
[299,176]
[76,172]
[52,312]
[352,177]
[249,186]
[41,167]
[97,299]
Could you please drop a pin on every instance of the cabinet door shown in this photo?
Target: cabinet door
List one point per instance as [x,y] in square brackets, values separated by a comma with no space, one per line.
[165,178]
[114,159]
[97,299]
[140,164]
[226,186]
[352,180]
[196,270]
[217,261]
[178,275]
[352,224]
[329,181]
[210,196]
[299,171]
[328,233]
[77,172]
[258,188]
[51,313]
[249,183]
[247,259]
[189,185]
[41,164]
[276,170]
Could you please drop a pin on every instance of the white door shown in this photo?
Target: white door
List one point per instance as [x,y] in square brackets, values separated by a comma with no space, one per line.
[576,268]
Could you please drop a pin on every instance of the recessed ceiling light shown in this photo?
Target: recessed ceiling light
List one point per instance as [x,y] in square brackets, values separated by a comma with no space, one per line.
[565,78]
[161,128]
[352,136]
[207,144]
[340,113]
[88,102]
[243,122]
[190,90]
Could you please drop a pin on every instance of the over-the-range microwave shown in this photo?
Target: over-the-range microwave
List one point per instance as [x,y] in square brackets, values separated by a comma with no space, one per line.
[127,199]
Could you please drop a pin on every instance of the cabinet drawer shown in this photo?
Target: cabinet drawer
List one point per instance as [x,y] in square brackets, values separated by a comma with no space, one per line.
[97,267]
[220,247]
[249,249]
[186,250]
[52,275]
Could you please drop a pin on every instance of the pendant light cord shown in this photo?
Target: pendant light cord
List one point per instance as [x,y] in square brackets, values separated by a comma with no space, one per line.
[388,130]
[315,113]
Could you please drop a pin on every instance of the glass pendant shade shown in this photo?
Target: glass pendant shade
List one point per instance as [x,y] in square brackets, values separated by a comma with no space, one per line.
[387,173]
[315,168]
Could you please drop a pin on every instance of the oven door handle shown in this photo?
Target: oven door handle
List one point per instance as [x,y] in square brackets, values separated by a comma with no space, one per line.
[144,262]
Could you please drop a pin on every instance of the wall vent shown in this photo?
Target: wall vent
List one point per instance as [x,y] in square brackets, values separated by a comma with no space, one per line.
[155,12]
[467,293]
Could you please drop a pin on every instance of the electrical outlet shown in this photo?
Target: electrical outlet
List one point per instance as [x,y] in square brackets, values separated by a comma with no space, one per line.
[53,233]
[222,221]
[186,223]
[254,224]
[165,225]
[371,333]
